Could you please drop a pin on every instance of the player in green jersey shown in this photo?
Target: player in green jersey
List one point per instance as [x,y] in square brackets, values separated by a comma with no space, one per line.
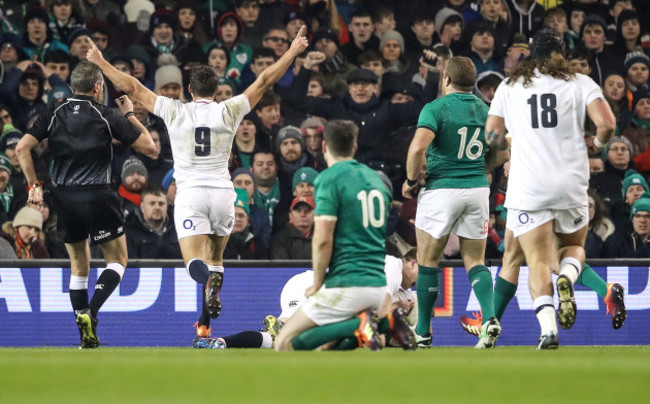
[455,198]
[349,237]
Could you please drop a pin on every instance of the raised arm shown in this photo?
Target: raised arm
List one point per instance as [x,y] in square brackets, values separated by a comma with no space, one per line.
[273,73]
[127,83]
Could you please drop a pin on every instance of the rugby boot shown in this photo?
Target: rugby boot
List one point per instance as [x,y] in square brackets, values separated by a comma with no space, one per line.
[212,290]
[615,304]
[567,310]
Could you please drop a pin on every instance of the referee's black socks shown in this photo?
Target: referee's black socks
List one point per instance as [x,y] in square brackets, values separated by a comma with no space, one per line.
[106,284]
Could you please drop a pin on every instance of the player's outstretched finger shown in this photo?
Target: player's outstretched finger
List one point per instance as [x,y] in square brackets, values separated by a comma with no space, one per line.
[303,31]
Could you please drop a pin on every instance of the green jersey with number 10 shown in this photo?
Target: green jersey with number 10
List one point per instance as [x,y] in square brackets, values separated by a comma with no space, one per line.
[456,157]
[354,195]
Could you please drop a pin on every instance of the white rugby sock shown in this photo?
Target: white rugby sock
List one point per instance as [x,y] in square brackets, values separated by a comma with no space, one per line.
[78,282]
[267,340]
[215,268]
[570,267]
[545,312]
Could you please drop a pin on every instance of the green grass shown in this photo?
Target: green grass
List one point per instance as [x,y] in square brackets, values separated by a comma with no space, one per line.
[437,375]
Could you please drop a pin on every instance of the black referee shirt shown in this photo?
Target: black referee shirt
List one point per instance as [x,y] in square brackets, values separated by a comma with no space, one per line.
[80,131]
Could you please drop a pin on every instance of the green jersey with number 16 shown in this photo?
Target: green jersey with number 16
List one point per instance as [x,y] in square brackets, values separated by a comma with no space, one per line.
[355,197]
[456,157]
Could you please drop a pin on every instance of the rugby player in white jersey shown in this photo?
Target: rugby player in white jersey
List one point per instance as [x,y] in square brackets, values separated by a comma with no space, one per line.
[542,105]
[201,133]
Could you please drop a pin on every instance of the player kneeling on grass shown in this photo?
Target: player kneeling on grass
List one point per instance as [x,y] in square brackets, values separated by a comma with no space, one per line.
[349,237]
[401,275]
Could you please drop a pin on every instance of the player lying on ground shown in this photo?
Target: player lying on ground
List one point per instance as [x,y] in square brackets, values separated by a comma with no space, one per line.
[401,275]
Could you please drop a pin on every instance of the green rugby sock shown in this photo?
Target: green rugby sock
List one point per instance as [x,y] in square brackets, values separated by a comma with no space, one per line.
[347,344]
[504,291]
[317,336]
[427,292]
[589,278]
[383,326]
[481,281]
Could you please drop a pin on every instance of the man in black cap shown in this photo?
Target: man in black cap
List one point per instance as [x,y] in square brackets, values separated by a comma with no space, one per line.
[375,118]
[80,132]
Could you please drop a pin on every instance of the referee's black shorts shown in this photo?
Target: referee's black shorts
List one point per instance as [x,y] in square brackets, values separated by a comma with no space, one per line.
[83,211]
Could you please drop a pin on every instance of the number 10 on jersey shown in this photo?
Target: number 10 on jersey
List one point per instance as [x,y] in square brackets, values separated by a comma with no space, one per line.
[202,139]
[375,217]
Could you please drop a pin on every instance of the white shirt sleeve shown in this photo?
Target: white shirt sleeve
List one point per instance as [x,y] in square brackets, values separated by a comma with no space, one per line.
[499,100]
[234,110]
[167,109]
[393,271]
[590,89]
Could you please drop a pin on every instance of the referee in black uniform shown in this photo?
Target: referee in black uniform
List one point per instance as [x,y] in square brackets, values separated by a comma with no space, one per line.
[80,130]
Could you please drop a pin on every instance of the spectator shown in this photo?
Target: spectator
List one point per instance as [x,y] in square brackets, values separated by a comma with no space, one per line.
[293,240]
[105,10]
[58,62]
[267,119]
[303,182]
[272,12]
[293,21]
[101,35]
[277,38]
[527,16]
[63,19]
[226,90]
[628,35]
[5,116]
[423,29]
[600,227]
[615,94]
[335,67]
[556,18]
[267,186]
[486,85]
[134,180]
[23,88]
[398,66]
[494,12]
[592,33]
[218,57]
[324,15]
[230,29]
[376,118]
[608,184]
[244,144]
[143,68]
[189,28]
[596,165]
[11,51]
[162,37]
[37,37]
[258,217]
[383,20]
[312,132]
[78,44]
[150,232]
[21,237]
[631,244]
[361,28]
[579,61]
[169,78]
[248,12]
[10,138]
[243,244]
[449,26]
[638,132]
[482,49]
[6,189]
[636,68]
[156,166]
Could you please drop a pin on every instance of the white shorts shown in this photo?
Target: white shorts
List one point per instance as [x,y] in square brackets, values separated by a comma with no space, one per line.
[565,221]
[293,293]
[332,305]
[464,212]
[204,211]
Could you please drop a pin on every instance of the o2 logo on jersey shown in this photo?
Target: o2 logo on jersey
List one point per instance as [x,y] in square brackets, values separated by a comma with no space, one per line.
[524,218]
[187,225]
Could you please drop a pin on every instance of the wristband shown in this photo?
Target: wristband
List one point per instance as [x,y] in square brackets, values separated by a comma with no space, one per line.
[598,144]
[410,183]
[129,114]
[33,186]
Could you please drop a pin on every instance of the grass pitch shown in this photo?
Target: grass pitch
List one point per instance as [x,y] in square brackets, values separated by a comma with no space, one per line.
[437,375]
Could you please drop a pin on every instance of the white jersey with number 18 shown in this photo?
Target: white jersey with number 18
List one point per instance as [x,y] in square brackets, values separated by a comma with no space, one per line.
[201,134]
[549,167]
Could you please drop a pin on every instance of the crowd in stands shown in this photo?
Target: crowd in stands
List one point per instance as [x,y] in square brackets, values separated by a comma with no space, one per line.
[375,62]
